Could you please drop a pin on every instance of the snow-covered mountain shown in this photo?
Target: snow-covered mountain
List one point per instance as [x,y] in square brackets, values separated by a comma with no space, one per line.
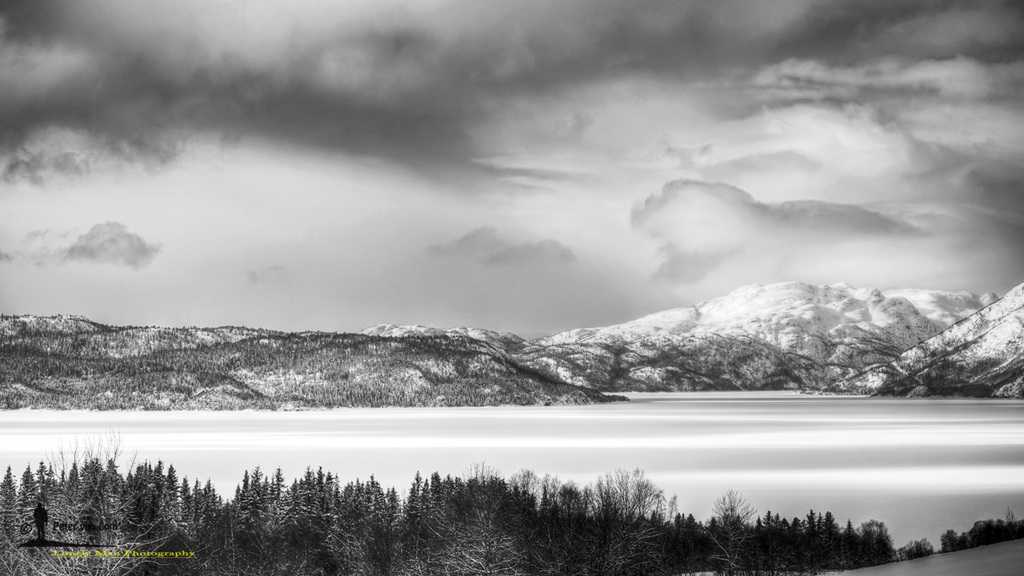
[790,334]
[802,318]
[981,355]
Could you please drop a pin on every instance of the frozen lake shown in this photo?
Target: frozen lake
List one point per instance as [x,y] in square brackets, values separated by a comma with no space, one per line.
[922,466]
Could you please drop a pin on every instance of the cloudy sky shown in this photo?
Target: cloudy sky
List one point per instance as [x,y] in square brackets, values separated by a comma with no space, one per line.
[529,166]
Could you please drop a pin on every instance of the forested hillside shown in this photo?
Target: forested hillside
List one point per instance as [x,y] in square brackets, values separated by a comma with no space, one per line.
[673,363]
[479,523]
[69,362]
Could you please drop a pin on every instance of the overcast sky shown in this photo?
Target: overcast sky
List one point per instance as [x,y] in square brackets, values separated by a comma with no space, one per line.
[523,166]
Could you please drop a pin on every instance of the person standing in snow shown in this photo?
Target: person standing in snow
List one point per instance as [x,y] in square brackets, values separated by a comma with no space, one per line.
[41,518]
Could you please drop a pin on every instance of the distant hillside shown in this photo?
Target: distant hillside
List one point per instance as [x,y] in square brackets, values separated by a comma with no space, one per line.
[71,362]
[982,355]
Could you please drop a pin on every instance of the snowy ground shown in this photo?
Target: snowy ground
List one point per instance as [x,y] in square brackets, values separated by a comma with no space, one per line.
[1005,559]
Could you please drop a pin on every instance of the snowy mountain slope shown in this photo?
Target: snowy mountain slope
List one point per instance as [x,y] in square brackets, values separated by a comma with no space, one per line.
[800,317]
[981,355]
[944,308]
[786,335]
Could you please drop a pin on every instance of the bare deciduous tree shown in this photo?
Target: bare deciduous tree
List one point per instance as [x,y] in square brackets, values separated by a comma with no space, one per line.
[624,502]
[730,532]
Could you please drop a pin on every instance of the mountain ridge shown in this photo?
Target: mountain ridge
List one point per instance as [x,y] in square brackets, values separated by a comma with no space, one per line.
[982,354]
[64,362]
[792,335]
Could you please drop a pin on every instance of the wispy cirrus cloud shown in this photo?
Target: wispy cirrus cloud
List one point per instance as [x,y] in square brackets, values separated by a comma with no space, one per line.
[958,78]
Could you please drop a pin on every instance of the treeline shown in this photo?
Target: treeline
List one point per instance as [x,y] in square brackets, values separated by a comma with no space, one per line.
[983,533]
[235,368]
[480,523]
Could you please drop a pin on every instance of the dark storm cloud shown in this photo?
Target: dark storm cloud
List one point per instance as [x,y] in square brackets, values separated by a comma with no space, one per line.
[405,87]
[486,246]
[848,31]
[112,243]
[31,19]
[394,86]
[136,98]
[5,257]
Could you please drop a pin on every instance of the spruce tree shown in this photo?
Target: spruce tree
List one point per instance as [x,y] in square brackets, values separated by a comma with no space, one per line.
[9,513]
[28,493]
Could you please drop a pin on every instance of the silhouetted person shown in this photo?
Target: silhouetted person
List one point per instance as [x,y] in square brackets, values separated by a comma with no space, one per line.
[41,518]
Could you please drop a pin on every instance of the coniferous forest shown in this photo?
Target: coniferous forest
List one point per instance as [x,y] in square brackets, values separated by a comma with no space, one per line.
[477,523]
